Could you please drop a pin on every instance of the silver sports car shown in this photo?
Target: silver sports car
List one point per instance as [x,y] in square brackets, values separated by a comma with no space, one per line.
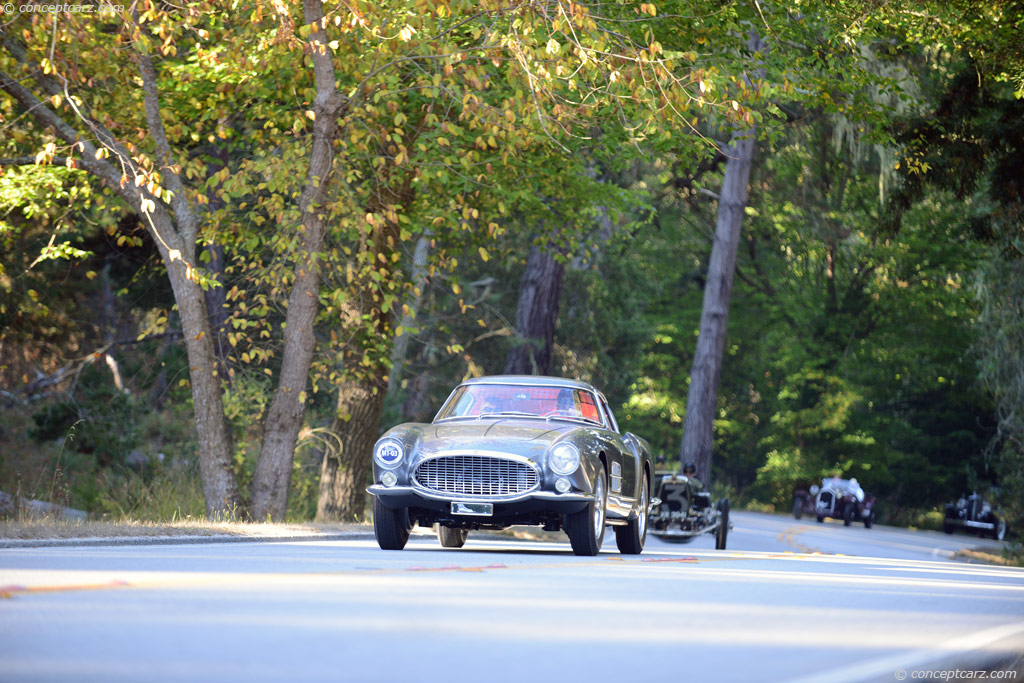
[509,450]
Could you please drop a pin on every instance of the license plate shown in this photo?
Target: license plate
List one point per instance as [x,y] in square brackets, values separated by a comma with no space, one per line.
[482,509]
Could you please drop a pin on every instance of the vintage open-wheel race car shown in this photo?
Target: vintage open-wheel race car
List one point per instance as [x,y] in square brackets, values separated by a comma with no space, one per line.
[681,511]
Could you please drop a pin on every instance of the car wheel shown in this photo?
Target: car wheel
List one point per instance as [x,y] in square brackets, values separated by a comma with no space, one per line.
[869,520]
[947,527]
[821,519]
[391,527]
[723,524]
[999,532]
[631,538]
[848,514]
[451,538]
[586,527]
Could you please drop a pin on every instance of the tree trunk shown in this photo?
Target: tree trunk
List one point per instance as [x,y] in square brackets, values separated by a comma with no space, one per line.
[216,464]
[714,317]
[540,291]
[702,397]
[273,476]
[345,471]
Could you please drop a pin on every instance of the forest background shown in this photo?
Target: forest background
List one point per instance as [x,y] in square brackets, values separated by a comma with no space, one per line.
[238,244]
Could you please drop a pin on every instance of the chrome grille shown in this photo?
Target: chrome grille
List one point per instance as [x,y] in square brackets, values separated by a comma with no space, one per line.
[476,475]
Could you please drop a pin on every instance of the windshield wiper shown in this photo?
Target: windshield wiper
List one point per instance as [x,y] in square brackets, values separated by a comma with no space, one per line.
[573,418]
[509,413]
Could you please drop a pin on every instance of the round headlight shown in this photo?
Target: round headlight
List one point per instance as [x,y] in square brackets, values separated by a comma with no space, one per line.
[388,453]
[564,458]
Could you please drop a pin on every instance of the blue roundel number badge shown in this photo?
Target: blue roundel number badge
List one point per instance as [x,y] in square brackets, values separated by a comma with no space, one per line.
[389,453]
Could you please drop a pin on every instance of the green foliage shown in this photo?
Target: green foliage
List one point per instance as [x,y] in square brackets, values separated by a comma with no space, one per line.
[98,420]
[485,129]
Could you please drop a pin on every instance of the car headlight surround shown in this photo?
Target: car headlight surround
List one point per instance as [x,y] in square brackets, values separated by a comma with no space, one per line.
[564,458]
[388,453]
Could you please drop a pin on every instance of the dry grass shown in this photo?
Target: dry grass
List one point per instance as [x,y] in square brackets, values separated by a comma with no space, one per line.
[35,529]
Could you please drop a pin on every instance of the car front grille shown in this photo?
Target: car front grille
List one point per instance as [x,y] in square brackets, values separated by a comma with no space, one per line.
[476,475]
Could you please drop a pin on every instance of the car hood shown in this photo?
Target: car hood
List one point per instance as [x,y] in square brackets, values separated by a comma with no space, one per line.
[528,438]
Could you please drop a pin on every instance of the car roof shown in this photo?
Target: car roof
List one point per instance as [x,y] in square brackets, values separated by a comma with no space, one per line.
[531,380]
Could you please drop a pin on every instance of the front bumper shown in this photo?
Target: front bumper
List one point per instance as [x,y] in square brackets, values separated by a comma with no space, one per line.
[970,524]
[397,497]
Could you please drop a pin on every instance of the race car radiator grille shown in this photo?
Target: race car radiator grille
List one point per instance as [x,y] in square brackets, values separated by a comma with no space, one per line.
[476,475]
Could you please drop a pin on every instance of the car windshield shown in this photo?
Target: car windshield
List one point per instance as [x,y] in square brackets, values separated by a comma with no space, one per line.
[514,400]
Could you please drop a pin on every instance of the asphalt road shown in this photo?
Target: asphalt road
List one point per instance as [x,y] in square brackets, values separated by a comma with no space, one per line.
[789,601]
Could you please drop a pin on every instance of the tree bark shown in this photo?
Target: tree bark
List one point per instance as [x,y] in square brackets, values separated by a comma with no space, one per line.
[345,472]
[714,317]
[272,479]
[701,399]
[540,292]
[216,464]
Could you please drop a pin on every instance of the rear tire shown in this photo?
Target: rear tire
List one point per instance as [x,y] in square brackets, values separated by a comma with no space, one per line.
[723,524]
[848,514]
[586,527]
[630,539]
[391,527]
[451,538]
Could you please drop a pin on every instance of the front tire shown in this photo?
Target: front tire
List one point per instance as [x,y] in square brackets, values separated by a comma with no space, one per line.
[451,538]
[723,524]
[391,527]
[848,514]
[798,508]
[631,538]
[586,527]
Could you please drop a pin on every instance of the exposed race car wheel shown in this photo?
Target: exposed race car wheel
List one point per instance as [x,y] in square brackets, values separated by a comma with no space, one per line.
[848,514]
[798,508]
[947,527]
[723,524]
[586,527]
[451,538]
[869,520]
[631,538]
[999,532]
[391,527]
[821,519]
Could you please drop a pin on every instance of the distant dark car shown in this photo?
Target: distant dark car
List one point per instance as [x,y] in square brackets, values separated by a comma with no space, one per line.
[974,513]
[844,499]
[509,450]
[682,511]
